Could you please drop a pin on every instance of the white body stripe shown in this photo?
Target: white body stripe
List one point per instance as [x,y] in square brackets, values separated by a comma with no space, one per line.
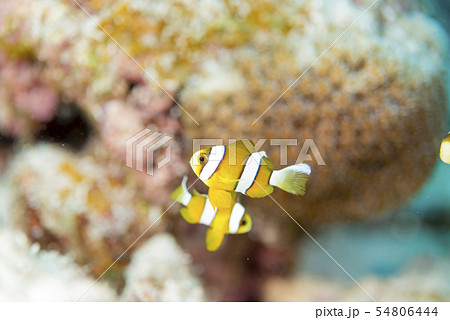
[215,157]
[235,219]
[250,171]
[263,154]
[208,213]
[186,196]
[275,177]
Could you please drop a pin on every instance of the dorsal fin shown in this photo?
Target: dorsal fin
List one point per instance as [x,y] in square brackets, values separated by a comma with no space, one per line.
[245,144]
[239,151]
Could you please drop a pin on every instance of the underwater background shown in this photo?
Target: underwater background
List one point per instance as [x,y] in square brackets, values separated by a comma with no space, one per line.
[78,79]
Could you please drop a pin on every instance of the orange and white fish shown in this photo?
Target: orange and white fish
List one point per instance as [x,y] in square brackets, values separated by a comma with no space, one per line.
[445,149]
[239,168]
[198,209]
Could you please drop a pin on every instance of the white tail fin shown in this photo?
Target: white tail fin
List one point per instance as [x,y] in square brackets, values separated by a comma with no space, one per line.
[291,179]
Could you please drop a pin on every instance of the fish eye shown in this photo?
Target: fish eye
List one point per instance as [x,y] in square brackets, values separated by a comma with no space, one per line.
[243,223]
[202,159]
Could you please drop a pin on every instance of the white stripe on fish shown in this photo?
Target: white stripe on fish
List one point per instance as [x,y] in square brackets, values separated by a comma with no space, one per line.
[186,196]
[215,157]
[250,172]
[235,219]
[208,213]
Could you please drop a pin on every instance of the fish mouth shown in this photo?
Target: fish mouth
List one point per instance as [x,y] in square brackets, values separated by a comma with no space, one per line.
[249,222]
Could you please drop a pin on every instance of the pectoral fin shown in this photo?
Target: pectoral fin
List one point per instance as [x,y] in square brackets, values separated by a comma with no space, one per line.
[221,198]
[214,239]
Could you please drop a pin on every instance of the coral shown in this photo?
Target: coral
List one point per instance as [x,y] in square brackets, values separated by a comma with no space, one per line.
[374,104]
[119,122]
[81,64]
[30,274]
[6,194]
[160,271]
[80,203]
[425,280]
[27,99]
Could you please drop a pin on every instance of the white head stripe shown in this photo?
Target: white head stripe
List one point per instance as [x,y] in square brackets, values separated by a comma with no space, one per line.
[235,219]
[215,157]
[186,196]
[208,213]
[250,171]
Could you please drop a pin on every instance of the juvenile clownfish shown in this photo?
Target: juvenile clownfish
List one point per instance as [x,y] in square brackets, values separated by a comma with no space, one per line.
[198,209]
[445,149]
[238,168]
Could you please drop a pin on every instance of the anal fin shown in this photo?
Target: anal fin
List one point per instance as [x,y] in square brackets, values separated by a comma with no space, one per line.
[214,239]
[187,215]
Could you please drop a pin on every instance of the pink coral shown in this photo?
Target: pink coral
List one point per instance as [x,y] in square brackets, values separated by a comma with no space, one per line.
[25,98]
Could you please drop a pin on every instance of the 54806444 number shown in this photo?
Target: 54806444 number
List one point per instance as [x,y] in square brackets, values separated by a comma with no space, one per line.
[404,311]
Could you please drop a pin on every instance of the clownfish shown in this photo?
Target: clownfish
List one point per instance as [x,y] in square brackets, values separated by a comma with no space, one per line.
[198,209]
[445,149]
[239,168]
